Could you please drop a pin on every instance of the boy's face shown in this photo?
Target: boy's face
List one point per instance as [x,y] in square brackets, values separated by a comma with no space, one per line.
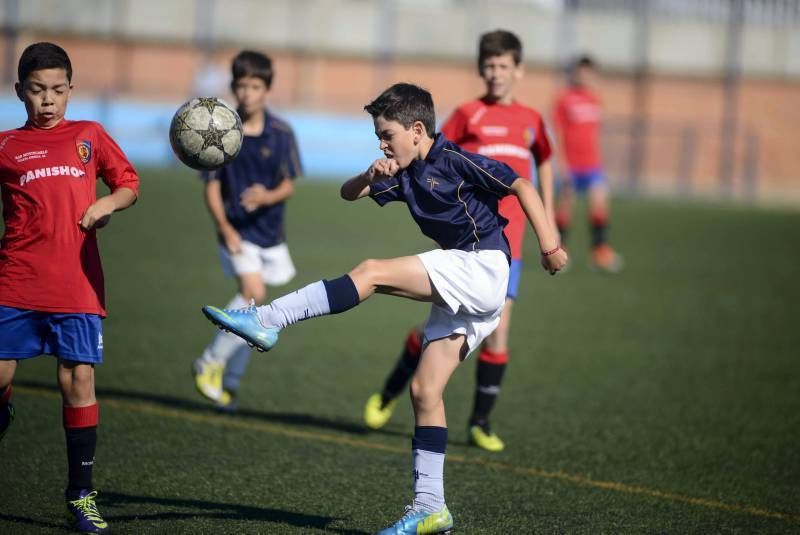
[585,76]
[397,142]
[500,73]
[45,93]
[251,94]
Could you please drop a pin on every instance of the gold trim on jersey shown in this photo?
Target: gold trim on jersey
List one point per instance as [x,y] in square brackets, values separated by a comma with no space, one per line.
[385,190]
[481,169]
[466,211]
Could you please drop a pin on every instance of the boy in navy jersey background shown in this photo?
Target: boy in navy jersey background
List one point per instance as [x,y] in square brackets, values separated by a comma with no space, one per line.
[453,197]
[246,200]
[51,281]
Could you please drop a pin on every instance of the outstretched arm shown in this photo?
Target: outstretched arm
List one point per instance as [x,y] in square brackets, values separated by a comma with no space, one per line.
[553,256]
[547,187]
[358,186]
[99,213]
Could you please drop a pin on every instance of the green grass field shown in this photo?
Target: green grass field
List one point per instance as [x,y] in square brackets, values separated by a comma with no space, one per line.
[662,400]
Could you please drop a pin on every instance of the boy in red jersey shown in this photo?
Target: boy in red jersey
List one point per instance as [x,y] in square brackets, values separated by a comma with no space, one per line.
[577,120]
[51,280]
[497,126]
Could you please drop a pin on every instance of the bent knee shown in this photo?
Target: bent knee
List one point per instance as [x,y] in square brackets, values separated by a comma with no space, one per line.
[367,272]
[370,265]
[424,396]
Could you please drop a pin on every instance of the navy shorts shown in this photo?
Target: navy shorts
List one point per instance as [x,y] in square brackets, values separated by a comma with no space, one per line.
[28,333]
[584,180]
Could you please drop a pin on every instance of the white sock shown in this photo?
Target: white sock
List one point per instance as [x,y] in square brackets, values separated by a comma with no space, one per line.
[428,480]
[307,302]
[224,345]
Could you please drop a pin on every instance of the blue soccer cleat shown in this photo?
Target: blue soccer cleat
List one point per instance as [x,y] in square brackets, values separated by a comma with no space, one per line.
[421,522]
[244,323]
[83,514]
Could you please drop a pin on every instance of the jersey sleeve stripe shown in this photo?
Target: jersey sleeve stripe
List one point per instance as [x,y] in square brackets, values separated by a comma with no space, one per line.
[479,168]
[385,190]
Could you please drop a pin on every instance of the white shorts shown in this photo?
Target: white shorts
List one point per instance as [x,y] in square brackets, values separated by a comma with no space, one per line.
[273,263]
[473,287]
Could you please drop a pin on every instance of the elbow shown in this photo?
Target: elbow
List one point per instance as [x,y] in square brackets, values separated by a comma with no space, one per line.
[521,187]
[346,193]
[290,189]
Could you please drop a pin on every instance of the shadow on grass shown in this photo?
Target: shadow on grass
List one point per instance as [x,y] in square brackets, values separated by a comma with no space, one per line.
[167,509]
[174,402]
[20,521]
[187,508]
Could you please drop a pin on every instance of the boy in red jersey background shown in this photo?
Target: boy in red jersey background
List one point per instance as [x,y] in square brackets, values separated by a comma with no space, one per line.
[497,126]
[577,120]
[51,280]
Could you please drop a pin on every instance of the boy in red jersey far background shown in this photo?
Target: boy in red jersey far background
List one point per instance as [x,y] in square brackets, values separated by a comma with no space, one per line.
[577,116]
[499,127]
[51,281]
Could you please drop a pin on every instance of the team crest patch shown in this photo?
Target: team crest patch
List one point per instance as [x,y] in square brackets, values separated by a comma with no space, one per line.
[84,150]
[529,136]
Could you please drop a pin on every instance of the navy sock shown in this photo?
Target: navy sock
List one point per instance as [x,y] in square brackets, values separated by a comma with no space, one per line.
[429,438]
[342,294]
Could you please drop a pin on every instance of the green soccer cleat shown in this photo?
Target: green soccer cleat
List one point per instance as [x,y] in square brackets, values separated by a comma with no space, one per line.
[83,514]
[244,323]
[8,423]
[376,414]
[208,378]
[485,441]
[422,523]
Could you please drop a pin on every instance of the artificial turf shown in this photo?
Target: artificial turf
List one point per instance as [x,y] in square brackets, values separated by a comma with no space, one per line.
[660,400]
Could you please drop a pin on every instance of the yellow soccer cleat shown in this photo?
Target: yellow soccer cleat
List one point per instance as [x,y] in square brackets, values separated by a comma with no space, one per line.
[375,414]
[227,402]
[208,379]
[485,441]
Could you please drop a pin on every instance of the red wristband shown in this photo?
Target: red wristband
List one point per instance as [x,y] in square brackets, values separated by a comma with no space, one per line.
[551,251]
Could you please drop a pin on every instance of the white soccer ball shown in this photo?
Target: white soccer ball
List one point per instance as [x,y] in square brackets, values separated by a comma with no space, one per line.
[206,133]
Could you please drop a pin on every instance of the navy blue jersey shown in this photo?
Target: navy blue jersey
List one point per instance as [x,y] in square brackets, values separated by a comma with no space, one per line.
[267,159]
[453,196]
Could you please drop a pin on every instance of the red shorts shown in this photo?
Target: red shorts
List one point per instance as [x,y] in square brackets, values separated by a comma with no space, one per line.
[510,208]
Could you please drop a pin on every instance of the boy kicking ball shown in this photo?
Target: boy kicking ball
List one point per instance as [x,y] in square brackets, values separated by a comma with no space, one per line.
[453,196]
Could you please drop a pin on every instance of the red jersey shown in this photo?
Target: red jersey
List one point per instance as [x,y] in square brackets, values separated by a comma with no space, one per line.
[48,180]
[577,118]
[510,133]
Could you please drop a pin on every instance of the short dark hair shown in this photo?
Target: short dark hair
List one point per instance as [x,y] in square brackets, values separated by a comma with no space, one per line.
[40,56]
[252,63]
[579,61]
[583,60]
[406,104]
[497,43]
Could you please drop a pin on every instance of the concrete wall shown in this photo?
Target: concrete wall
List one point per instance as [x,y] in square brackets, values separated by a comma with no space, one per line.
[413,28]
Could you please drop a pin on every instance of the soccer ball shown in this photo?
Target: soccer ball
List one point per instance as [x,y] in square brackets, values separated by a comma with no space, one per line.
[206,133]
